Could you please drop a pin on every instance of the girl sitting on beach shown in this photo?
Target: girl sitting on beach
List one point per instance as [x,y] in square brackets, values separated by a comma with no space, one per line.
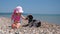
[17,14]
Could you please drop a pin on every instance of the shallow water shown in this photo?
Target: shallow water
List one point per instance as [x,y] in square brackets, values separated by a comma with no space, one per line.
[49,18]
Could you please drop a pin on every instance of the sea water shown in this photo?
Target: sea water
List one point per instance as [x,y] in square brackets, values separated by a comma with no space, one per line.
[50,18]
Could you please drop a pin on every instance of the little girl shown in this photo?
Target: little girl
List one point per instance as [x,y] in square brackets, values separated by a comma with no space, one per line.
[17,14]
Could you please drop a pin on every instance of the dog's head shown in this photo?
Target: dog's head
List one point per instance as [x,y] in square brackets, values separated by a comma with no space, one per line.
[30,18]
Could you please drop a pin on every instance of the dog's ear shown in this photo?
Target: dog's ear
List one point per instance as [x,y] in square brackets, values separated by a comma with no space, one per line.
[30,16]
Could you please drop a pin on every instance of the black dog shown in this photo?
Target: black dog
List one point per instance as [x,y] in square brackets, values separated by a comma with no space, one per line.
[32,22]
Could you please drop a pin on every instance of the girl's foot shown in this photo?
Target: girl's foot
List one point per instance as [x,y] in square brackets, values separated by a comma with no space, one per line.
[10,30]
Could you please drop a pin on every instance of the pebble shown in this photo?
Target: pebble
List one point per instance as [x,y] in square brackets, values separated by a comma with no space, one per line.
[27,30]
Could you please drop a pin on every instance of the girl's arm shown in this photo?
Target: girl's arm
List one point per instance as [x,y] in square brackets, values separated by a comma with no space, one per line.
[23,17]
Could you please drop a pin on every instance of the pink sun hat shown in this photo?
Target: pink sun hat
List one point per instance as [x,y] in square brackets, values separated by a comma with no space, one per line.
[18,9]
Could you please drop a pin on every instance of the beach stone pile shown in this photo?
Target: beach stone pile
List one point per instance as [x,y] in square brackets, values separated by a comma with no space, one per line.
[46,28]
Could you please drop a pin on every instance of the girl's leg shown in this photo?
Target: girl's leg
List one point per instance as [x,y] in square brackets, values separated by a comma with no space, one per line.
[13,26]
[18,25]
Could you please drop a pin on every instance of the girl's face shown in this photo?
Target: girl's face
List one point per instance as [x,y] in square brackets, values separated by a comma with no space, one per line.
[18,14]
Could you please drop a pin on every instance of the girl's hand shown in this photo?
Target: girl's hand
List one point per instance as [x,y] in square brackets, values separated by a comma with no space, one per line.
[26,18]
[23,17]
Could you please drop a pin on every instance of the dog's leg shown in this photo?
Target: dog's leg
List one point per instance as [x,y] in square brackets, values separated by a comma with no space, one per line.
[30,24]
[25,25]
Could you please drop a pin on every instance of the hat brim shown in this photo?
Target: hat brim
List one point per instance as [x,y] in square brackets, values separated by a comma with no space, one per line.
[19,11]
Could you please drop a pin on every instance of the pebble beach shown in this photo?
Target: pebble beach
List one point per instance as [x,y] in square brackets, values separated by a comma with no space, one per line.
[45,28]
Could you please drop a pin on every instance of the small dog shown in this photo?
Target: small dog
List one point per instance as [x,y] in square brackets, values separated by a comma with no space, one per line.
[32,22]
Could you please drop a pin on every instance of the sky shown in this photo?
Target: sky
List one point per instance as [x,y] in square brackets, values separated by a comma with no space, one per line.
[31,6]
